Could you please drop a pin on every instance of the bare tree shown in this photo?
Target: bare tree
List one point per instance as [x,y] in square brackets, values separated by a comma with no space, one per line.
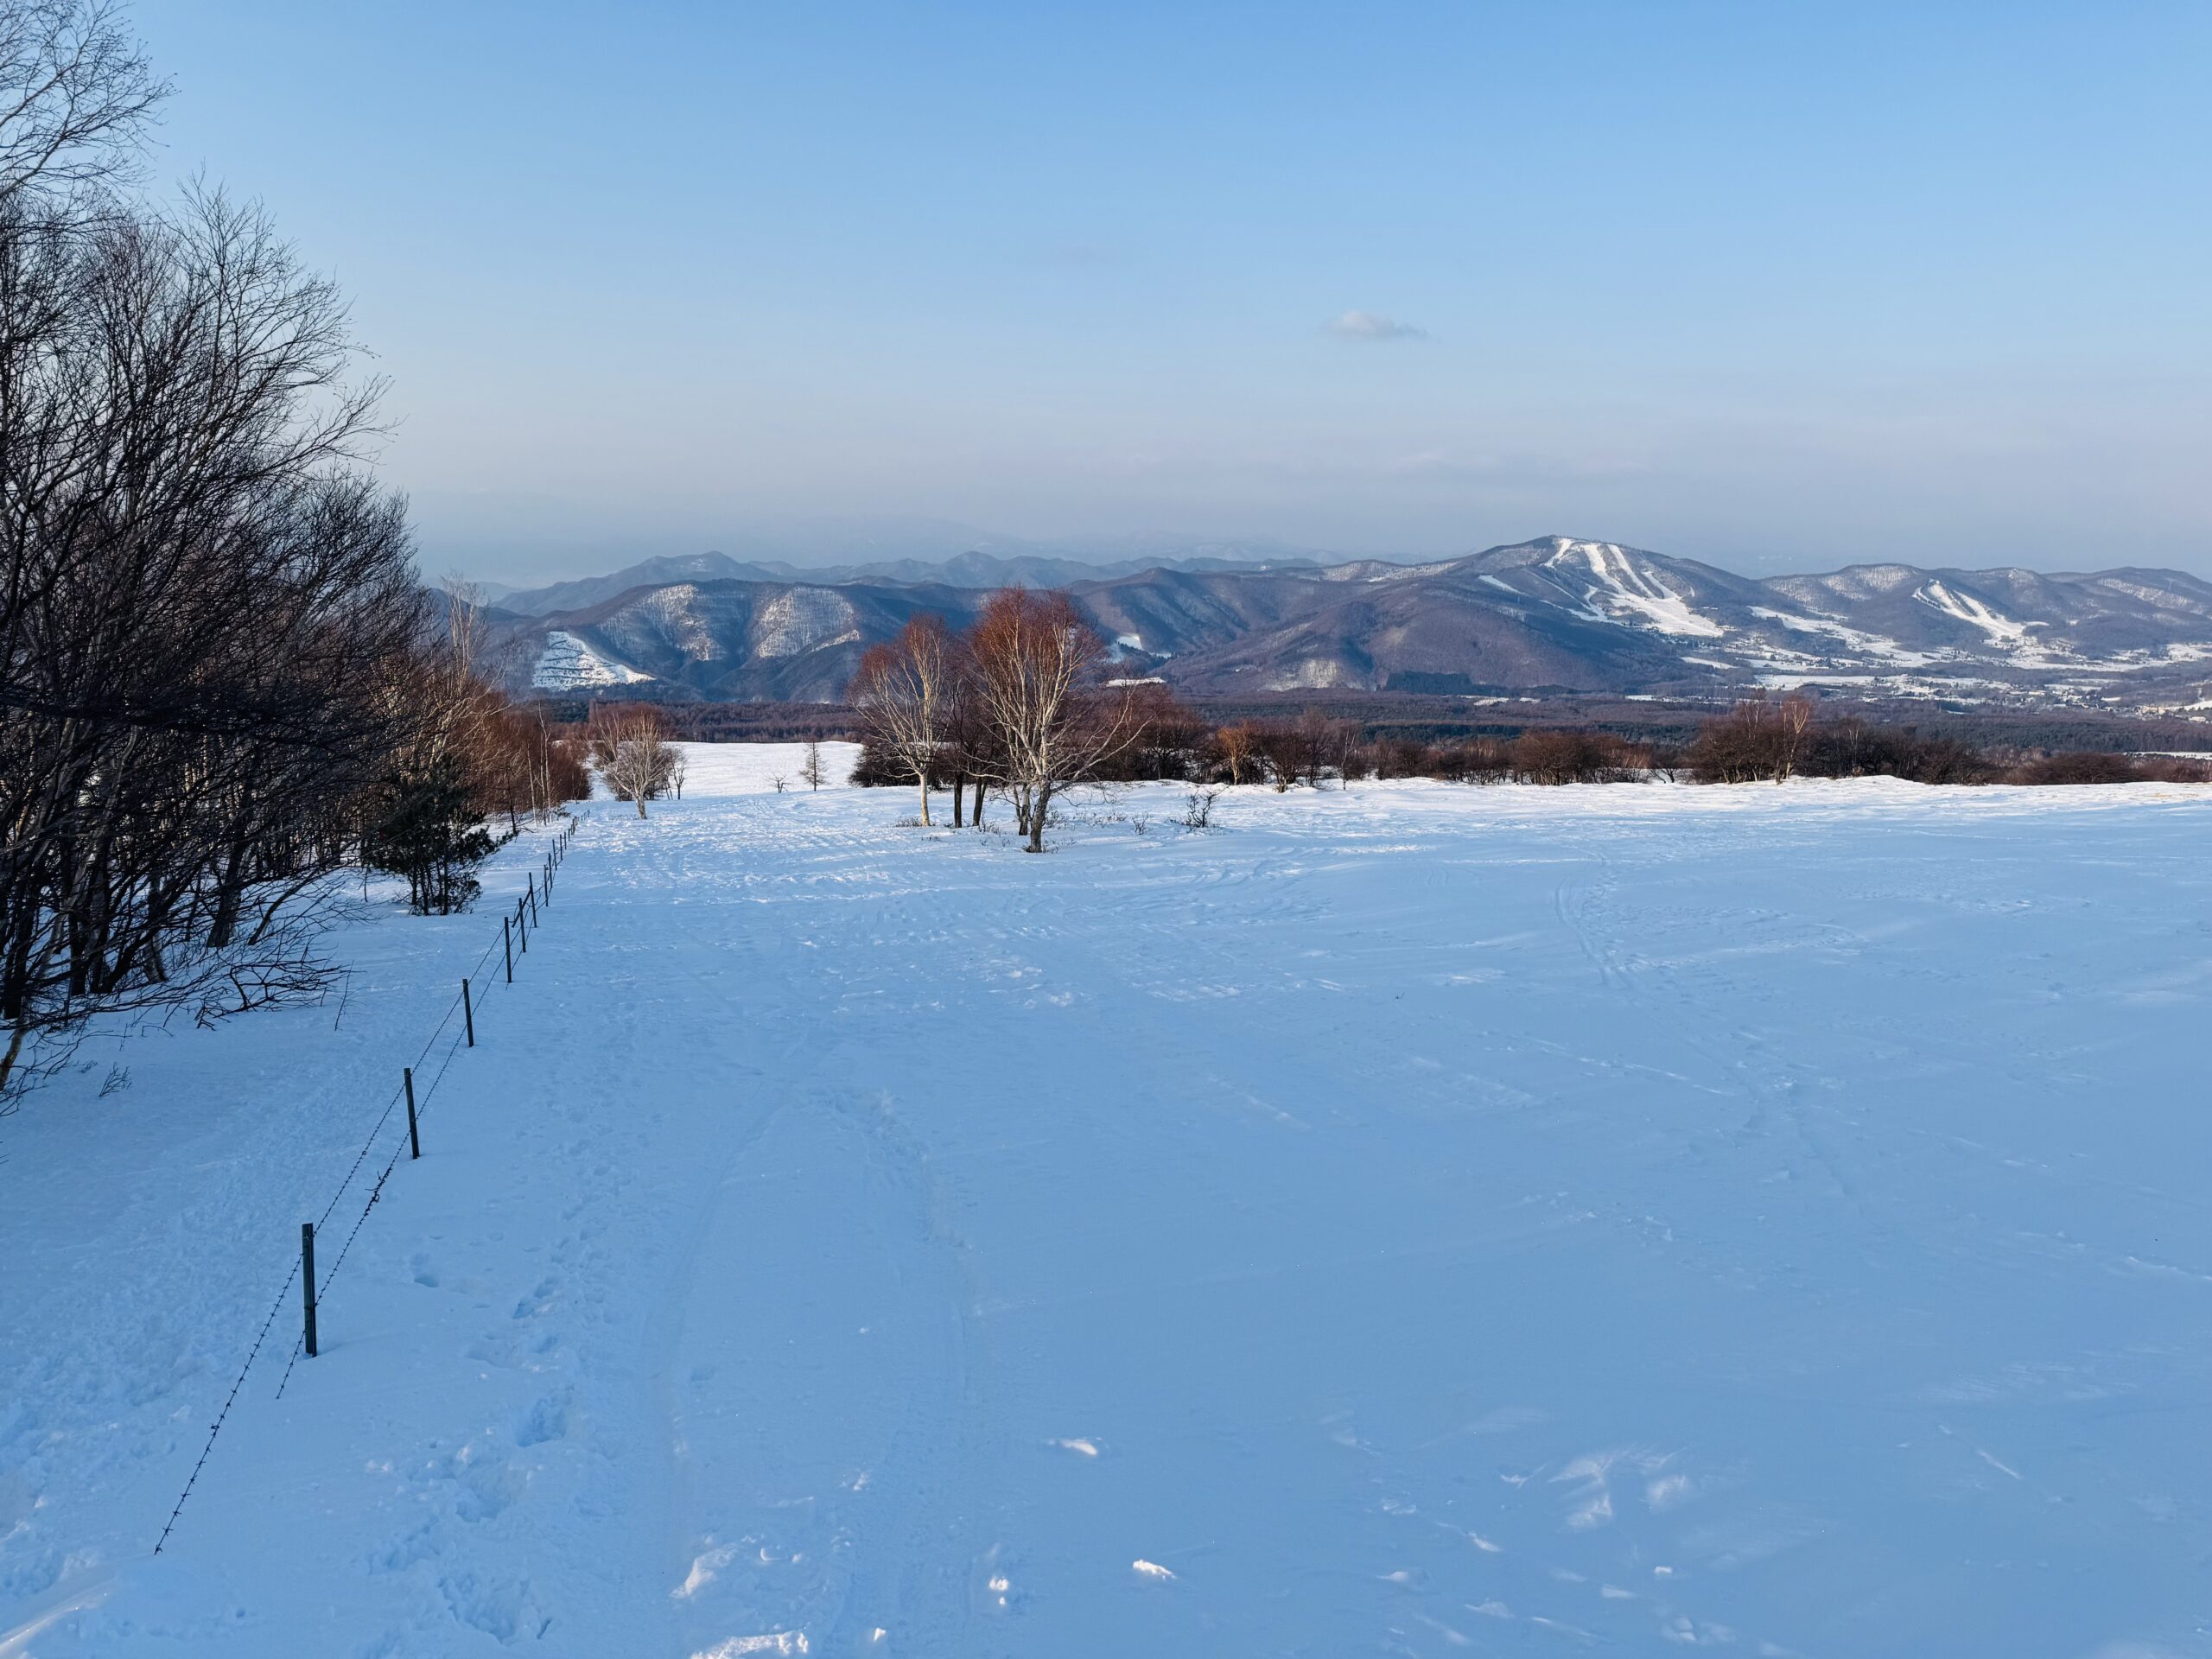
[1237,744]
[1346,751]
[201,593]
[971,747]
[630,746]
[1288,752]
[76,93]
[959,726]
[1757,739]
[1314,734]
[1035,658]
[901,692]
[219,679]
[516,765]
[1792,721]
[810,769]
[1565,755]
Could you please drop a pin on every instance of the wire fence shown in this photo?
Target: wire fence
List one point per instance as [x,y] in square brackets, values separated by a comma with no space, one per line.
[511,946]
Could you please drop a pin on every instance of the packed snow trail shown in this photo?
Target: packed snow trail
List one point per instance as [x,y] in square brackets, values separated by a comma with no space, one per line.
[1404,1221]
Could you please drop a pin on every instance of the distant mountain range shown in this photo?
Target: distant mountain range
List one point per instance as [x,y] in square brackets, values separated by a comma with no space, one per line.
[974,567]
[1552,616]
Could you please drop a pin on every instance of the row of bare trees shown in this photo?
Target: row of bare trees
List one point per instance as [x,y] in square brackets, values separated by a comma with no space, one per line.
[929,724]
[928,713]
[458,754]
[219,678]
[1764,739]
[1015,704]
[1760,740]
[1771,740]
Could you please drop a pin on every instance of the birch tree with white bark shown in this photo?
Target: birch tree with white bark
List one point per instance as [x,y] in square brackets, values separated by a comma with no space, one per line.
[901,692]
[1035,661]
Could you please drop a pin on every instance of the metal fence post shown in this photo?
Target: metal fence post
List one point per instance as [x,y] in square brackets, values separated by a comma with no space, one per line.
[467,1013]
[414,1139]
[306,1279]
[507,939]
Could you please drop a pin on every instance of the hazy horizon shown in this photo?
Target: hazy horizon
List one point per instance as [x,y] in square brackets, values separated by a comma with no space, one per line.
[1780,289]
[828,543]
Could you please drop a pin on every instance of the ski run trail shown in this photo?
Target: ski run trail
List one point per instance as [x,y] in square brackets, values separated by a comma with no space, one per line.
[1409,1221]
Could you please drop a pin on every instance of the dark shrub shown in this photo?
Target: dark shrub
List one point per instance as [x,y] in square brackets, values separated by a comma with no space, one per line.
[1571,757]
[1851,748]
[2091,768]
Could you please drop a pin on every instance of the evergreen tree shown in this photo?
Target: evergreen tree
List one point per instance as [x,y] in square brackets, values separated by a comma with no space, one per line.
[427,829]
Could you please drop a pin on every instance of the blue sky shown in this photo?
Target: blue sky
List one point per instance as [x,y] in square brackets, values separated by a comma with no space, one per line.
[1779,285]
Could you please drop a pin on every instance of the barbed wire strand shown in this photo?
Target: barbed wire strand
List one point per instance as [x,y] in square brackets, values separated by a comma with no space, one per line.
[267,1323]
[222,1416]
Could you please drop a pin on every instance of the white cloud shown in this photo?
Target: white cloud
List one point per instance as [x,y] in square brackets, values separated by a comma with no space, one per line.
[1373,325]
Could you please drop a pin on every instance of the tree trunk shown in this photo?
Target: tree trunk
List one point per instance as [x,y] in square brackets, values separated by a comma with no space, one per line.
[230,892]
[1037,818]
[959,790]
[15,1036]
[924,780]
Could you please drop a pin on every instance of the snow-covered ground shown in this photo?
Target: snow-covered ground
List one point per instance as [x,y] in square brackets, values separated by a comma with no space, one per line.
[717,771]
[1408,1221]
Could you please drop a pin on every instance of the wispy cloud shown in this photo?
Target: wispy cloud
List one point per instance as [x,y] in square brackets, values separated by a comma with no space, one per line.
[1373,326]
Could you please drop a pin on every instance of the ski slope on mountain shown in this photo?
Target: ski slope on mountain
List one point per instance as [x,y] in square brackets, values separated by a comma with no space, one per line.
[1413,1220]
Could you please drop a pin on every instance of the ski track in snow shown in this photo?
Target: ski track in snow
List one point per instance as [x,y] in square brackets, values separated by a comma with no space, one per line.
[1396,1222]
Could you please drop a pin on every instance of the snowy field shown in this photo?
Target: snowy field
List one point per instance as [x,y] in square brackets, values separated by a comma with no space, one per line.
[717,771]
[1416,1221]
